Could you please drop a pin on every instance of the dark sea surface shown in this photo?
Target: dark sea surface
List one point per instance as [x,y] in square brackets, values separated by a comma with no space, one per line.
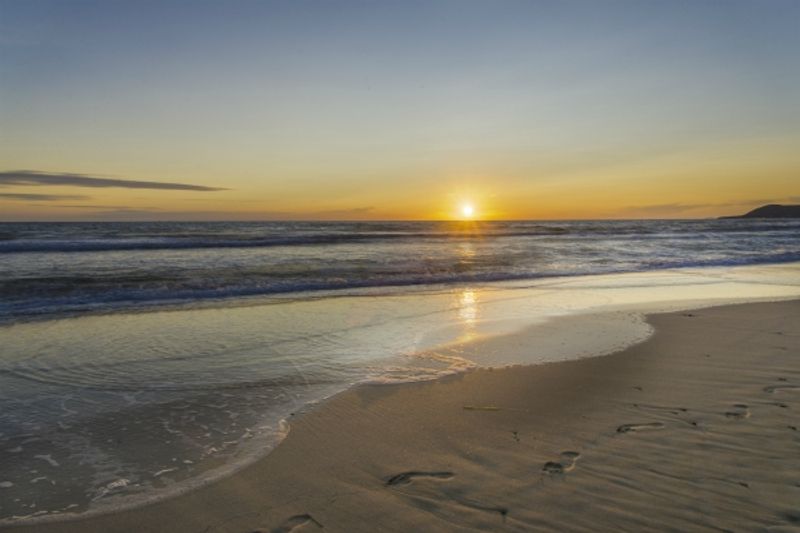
[141,359]
[51,268]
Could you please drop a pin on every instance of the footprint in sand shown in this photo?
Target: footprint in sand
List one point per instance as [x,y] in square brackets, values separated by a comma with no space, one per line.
[567,463]
[632,428]
[740,412]
[661,408]
[406,477]
[781,388]
[292,524]
[503,511]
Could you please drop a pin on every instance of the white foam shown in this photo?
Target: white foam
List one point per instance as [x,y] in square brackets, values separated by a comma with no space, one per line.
[47,458]
[116,484]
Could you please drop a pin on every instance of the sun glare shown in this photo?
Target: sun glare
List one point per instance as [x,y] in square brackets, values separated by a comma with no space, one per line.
[467,211]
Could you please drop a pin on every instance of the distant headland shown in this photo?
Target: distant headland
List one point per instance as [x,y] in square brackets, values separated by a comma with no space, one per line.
[771,211]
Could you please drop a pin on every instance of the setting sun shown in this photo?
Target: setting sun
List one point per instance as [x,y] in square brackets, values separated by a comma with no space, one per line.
[467,210]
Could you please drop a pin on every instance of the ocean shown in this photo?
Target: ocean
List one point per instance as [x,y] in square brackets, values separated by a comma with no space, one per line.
[141,359]
[48,269]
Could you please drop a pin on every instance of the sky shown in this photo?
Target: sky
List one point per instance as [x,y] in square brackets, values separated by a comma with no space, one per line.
[349,110]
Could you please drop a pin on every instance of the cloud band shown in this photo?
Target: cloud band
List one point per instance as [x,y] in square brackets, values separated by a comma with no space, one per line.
[31,177]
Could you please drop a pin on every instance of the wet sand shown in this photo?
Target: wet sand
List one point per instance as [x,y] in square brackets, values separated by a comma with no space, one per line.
[695,429]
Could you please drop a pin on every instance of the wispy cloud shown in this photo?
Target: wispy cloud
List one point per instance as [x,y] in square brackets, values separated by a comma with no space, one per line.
[675,209]
[33,197]
[152,213]
[32,177]
[81,206]
[100,212]
[663,209]
[342,213]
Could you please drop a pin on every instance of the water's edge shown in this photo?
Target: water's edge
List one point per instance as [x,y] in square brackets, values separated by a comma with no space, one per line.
[639,330]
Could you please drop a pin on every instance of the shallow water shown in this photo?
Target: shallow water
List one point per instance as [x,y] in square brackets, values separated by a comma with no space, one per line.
[99,410]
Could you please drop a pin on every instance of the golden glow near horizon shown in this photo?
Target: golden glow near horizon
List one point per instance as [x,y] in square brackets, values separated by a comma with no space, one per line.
[276,111]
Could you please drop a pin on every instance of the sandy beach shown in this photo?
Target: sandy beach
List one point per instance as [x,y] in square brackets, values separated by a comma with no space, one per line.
[694,429]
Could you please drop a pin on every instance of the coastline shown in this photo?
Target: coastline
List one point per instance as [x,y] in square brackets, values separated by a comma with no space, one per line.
[699,415]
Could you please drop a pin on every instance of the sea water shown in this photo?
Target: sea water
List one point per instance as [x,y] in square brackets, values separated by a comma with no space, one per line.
[140,359]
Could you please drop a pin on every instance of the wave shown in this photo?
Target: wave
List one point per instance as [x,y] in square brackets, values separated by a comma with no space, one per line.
[73,295]
[266,235]
[18,246]
[40,274]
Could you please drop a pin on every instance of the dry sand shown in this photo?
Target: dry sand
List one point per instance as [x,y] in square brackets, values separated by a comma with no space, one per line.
[696,429]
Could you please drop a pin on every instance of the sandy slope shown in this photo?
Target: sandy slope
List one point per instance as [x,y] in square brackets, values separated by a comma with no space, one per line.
[695,429]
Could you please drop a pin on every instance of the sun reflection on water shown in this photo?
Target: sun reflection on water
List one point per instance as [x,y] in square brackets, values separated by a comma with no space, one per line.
[468,312]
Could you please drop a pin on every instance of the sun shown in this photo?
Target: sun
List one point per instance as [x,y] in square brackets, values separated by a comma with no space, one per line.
[467,210]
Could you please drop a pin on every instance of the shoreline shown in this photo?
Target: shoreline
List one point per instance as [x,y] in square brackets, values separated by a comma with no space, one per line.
[257,299]
[299,474]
